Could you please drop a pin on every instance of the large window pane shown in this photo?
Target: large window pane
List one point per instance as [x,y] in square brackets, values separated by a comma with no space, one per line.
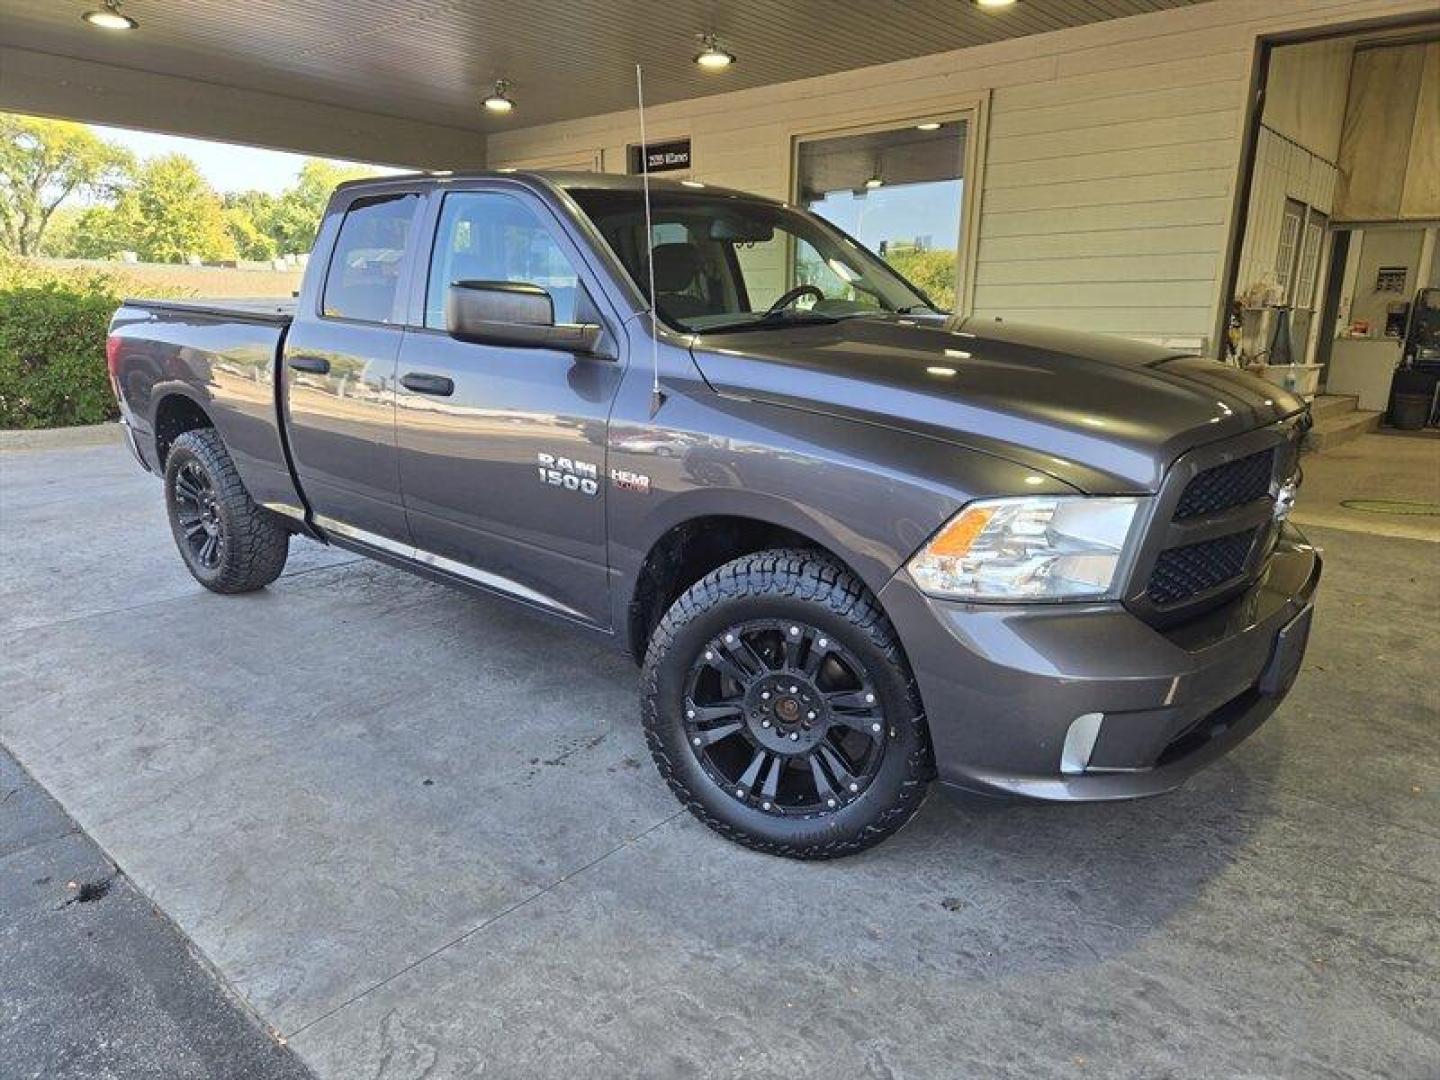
[365,267]
[487,236]
[899,192]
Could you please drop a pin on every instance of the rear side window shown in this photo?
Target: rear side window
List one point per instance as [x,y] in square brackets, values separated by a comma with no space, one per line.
[364,273]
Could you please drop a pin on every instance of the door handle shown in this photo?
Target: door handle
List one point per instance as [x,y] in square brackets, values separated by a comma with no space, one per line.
[421,383]
[315,365]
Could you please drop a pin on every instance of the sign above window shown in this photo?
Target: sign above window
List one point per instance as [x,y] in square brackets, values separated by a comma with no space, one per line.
[671,156]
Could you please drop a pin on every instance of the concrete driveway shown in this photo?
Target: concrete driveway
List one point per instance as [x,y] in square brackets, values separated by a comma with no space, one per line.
[419,833]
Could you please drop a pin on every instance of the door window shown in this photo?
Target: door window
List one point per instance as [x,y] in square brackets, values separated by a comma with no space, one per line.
[899,192]
[489,236]
[364,271]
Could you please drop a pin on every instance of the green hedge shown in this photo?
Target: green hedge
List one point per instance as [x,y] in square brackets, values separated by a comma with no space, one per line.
[52,346]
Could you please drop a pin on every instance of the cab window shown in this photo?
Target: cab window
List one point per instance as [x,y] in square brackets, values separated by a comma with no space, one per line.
[364,272]
[489,236]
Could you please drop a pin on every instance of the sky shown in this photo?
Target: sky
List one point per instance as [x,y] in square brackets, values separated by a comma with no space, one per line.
[226,166]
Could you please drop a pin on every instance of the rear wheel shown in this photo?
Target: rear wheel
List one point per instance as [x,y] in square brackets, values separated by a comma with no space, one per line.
[229,544]
[780,708]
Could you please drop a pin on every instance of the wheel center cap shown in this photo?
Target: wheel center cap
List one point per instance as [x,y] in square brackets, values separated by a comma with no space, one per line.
[788,710]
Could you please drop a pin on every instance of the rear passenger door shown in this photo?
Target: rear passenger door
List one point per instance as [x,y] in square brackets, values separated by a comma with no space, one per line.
[339,369]
[502,448]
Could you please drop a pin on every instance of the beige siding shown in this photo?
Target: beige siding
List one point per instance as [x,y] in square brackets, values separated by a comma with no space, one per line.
[1283,171]
[1110,159]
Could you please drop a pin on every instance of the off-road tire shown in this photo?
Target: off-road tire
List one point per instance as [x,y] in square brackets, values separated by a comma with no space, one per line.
[788,584]
[254,543]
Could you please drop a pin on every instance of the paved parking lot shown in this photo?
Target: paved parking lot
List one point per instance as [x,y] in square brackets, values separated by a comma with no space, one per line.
[419,834]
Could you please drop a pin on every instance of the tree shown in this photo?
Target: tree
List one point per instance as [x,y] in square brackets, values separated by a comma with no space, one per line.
[297,215]
[43,163]
[169,213]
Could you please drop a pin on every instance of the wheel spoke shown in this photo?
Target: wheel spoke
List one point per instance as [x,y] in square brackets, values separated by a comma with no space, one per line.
[752,772]
[721,661]
[865,723]
[823,787]
[815,657]
[852,702]
[207,550]
[743,656]
[703,714]
[186,489]
[772,778]
[833,761]
[710,736]
[193,527]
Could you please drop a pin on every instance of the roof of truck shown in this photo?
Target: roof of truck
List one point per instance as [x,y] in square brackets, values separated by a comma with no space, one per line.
[565,180]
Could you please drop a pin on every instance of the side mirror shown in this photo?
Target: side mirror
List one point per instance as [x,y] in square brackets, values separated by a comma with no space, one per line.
[516,314]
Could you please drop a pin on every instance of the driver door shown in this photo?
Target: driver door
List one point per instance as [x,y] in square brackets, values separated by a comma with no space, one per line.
[502,448]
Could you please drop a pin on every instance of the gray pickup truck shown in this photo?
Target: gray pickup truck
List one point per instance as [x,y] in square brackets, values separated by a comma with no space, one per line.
[856,543]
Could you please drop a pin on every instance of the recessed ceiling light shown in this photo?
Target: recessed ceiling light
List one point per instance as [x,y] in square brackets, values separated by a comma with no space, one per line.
[994,4]
[874,182]
[109,17]
[712,56]
[499,101]
[692,183]
[929,125]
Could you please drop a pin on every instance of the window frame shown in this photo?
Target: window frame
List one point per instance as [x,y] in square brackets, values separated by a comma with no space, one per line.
[598,291]
[373,194]
[974,111]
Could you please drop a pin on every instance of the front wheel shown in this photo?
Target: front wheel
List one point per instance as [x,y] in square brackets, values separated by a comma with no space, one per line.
[229,544]
[780,708]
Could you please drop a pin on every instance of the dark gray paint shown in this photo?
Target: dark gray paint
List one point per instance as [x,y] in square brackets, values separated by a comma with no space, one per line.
[840,433]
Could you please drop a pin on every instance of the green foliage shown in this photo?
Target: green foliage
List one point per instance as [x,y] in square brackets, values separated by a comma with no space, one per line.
[933,271]
[52,345]
[168,213]
[43,163]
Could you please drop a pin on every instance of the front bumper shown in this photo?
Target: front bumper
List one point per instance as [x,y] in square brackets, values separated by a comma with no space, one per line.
[1002,685]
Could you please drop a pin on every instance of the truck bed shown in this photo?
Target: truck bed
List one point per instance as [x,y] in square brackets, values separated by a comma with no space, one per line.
[274,310]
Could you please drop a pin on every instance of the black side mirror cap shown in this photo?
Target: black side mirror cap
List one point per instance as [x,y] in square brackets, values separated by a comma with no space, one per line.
[519,315]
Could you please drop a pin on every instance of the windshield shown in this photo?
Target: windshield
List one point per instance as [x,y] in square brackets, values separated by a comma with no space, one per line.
[725,263]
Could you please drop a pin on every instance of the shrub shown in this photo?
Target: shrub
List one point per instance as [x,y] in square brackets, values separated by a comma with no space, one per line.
[52,345]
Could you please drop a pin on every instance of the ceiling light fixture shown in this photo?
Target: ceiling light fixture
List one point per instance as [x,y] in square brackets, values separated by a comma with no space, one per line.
[500,101]
[929,125]
[994,5]
[874,182]
[711,56]
[109,17]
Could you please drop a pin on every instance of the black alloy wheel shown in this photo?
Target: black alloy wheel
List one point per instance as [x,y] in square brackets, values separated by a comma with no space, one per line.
[198,514]
[781,710]
[784,717]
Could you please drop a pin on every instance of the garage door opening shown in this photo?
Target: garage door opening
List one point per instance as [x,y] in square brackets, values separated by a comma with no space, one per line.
[899,191]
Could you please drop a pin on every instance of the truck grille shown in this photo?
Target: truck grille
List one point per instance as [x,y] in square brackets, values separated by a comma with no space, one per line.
[1183,572]
[1233,484]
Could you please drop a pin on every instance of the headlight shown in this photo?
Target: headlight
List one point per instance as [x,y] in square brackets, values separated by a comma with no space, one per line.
[1042,548]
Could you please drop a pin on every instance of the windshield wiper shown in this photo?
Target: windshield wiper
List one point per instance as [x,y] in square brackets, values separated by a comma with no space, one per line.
[770,322]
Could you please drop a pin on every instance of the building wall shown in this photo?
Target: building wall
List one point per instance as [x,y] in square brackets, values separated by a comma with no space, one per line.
[1111,153]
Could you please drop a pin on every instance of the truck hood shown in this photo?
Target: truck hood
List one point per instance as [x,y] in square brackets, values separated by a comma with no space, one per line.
[1102,414]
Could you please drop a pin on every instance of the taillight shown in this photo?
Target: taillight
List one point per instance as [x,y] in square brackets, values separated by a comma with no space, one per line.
[112,353]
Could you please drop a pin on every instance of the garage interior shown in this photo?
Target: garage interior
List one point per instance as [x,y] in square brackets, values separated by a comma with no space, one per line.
[416,833]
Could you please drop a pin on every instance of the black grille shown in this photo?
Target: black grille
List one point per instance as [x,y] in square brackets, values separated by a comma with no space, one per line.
[1183,572]
[1232,484]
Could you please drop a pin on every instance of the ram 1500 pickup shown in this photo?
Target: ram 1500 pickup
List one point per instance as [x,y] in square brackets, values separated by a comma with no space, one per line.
[855,543]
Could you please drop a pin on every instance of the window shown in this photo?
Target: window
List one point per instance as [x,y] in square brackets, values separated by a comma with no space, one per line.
[1305,277]
[488,236]
[1289,244]
[899,192]
[725,262]
[364,270]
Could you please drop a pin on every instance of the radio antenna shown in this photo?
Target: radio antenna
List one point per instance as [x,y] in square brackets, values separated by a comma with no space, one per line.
[657,396]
